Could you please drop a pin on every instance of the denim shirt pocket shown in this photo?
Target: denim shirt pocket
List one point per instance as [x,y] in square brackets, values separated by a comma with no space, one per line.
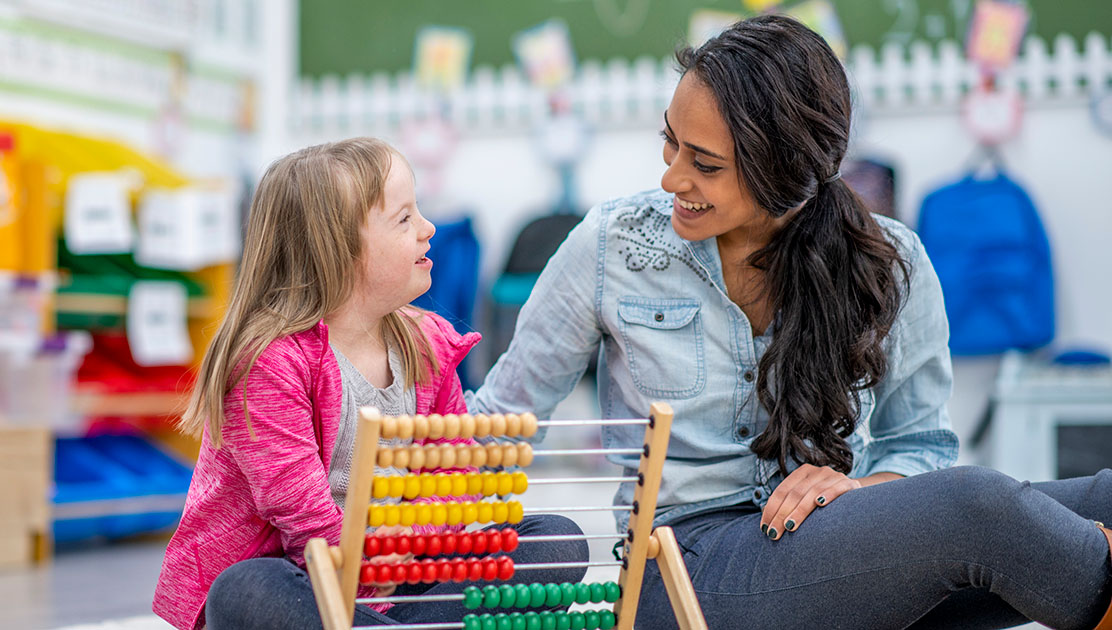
[664,342]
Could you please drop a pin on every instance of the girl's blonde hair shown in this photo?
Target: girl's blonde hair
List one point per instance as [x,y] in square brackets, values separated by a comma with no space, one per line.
[300,262]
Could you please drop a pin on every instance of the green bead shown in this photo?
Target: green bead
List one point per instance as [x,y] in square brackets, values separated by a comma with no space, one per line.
[522,596]
[503,622]
[518,621]
[563,621]
[509,595]
[488,622]
[532,621]
[568,591]
[582,593]
[577,620]
[548,620]
[472,597]
[537,595]
[552,595]
[491,596]
[591,619]
[598,593]
[613,592]
[606,619]
[471,622]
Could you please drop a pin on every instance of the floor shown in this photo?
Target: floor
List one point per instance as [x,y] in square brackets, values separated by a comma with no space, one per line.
[110,587]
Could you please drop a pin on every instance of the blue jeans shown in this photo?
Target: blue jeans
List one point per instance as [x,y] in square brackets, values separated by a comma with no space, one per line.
[274,593]
[957,548]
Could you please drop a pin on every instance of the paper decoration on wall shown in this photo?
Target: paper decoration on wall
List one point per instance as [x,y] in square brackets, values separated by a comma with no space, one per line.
[706,23]
[98,212]
[821,17]
[760,5]
[545,54]
[992,115]
[157,331]
[442,56]
[995,34]
[188,228]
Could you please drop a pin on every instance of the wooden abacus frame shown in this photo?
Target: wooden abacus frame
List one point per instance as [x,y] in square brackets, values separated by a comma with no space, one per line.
[334,571]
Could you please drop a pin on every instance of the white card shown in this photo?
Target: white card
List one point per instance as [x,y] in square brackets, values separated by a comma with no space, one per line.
[156,323]
[98,213]
[187,228]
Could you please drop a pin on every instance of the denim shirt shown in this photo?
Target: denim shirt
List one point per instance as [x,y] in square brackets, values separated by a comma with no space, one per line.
[658,306]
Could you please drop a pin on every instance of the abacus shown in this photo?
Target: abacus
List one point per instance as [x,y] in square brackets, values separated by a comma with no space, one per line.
[336,572]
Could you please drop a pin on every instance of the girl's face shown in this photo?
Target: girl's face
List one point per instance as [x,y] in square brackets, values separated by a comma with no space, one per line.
[710,199]
[395,240]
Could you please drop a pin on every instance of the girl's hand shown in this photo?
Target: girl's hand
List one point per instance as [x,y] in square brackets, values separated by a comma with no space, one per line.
[386,590]
[805,489]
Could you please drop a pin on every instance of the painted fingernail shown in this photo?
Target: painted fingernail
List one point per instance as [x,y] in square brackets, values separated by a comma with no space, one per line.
[821,500]
[764,528]
[772,533]
[789,525]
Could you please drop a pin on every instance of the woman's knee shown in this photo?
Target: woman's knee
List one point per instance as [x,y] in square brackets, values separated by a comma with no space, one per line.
[562,551]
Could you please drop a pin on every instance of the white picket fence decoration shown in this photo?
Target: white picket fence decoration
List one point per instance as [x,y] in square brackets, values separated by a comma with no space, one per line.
[892,81]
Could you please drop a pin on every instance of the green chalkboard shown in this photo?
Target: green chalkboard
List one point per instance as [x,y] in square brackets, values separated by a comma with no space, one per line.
[361,36]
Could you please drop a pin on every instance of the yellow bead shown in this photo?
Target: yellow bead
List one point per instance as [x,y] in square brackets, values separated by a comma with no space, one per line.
[485,512]
[428,485]
[412,487]
[380,487]
[490,484]
[408,515]
[377,516]
[459,485]
[500,512]
[397,486]
[474,483]
[498,425]
[443,485]
[517,512]
[393,515]
[424,514]
[505,483]
[420,427]
[455,513]
[451,427]
[470,513]
[436,426]
[521,482]
[439,514]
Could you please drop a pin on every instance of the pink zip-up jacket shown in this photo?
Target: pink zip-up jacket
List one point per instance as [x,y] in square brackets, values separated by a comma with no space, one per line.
[268,496]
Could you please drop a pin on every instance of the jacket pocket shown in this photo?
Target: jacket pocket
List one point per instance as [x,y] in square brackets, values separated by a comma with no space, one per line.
[664,342]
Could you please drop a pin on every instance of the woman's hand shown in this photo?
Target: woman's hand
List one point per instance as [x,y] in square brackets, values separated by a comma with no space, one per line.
[386,590]
[806,488]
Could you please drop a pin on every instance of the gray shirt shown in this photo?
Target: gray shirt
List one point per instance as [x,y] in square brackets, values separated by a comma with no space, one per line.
[394,400]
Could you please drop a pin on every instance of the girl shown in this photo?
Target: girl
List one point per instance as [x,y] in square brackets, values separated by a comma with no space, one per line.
[802,344]
[318,326]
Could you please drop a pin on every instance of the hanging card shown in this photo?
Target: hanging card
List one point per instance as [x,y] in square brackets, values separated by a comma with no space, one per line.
[157,329]
[545,54]
[995,34]
[441,57]
[98,213]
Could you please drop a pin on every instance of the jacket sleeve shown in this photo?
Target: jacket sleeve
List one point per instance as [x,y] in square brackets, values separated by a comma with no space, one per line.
[281,462]
[910,429]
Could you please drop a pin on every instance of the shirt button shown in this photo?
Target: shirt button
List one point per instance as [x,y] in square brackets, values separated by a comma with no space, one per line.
[748,376]
[743,431]
[757,494]
[659,317]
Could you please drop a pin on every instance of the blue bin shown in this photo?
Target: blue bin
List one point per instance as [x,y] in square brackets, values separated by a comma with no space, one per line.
[113,486]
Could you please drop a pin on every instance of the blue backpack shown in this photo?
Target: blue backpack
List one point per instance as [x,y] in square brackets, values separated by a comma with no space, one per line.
[992,257]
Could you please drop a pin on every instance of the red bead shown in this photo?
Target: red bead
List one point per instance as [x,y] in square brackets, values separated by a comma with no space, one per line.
[405,545]
[505,568]
[419,545]
[388,546]
[384,573]
[414,571]
[444,571]
[478,543]
[474,569]
[490,569]
[459,571]
[428,571]
[367,574]
[465,543]
[434,546]
[371,546]
[448,543]
[509,540]
[494,541]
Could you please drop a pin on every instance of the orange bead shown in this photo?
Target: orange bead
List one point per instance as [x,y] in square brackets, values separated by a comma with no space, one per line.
[385,457]
[405,427]
[447,455]
[478,455]
[401,457]
[416,457]
[498,425]
[482,425]
[466,426]
[432,457]
[509,455]
[524,454]
[513,425]
[451,427]
[528,425]
[463,456]
[389,427]
[436,426]
[494,455]
[420,427]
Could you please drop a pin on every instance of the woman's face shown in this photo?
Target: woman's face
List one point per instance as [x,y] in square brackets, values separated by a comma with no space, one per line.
[710,198]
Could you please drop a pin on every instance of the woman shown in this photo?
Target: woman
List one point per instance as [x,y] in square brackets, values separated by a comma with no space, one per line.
[802,345]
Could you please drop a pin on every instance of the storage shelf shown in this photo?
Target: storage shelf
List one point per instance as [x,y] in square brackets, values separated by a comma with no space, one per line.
[104,304]
[93,403]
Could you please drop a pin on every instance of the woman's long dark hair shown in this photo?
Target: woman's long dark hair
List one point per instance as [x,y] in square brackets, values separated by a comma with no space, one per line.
[832,278]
